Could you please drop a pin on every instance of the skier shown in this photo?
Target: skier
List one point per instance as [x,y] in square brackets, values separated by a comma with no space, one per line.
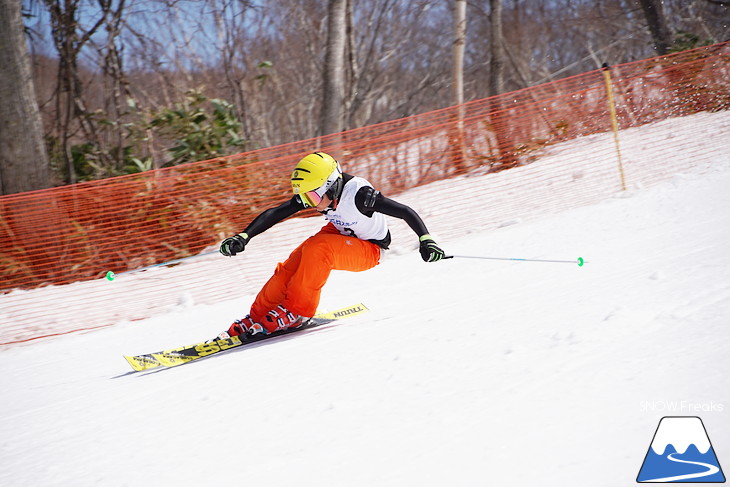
[352,240]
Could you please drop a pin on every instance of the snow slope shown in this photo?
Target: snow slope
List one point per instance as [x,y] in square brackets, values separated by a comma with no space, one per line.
[465,372]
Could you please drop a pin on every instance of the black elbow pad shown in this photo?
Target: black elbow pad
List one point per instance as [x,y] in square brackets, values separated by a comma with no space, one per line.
[370,195]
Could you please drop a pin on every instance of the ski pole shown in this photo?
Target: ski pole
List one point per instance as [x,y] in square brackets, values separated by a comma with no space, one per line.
[110,276]
[580,261]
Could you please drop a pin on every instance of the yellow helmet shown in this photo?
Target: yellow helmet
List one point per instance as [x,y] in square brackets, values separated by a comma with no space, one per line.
[316,175]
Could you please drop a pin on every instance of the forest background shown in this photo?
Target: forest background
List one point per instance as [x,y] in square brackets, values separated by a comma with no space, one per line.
[123,86]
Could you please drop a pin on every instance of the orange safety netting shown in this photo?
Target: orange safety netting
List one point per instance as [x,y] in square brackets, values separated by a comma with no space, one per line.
[75,234]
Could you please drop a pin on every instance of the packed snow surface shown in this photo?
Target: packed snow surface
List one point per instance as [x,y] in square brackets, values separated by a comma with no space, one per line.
[464,372]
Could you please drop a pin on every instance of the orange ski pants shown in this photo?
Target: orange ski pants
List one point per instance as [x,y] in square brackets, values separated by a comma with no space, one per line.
[297,283]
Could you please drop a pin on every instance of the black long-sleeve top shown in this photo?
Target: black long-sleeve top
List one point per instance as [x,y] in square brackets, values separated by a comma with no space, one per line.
[367,201]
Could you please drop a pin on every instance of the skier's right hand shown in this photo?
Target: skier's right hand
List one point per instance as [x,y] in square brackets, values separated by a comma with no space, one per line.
[430,251]
[232,245]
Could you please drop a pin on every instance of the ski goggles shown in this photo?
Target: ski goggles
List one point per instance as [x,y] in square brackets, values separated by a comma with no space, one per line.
[313,198]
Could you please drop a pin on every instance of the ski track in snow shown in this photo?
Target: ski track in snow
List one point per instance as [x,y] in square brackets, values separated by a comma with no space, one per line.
[463,373]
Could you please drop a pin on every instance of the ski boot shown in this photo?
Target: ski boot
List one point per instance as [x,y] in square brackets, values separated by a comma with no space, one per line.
[246,326]
[281,318]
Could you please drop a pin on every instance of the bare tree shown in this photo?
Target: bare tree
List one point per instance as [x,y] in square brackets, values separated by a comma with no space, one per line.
[458,51]
[403,53]
[660,33]
[503,156]
[69,37]
[496,42]
[23,158]
[333,92]
[456,133]
[231,26]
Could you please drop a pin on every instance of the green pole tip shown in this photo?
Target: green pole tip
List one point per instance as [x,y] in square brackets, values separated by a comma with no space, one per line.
[110,276]
[581,261]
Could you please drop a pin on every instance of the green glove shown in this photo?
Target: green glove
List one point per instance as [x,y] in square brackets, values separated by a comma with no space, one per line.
[430,252]
[232,245]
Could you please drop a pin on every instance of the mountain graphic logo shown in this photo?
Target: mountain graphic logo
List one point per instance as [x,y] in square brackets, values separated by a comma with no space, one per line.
[681,452]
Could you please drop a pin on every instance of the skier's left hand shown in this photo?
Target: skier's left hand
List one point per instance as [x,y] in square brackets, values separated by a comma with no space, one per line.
[430,251]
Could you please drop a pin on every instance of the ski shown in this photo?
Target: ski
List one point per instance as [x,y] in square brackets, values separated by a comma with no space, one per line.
[183,355]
